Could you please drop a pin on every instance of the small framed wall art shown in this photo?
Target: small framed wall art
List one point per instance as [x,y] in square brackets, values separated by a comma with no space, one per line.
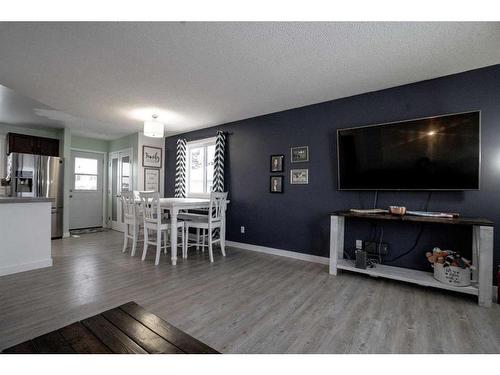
[299,154]
[299,176]
[277,163]
[151,157]
[151,179]
[276,184]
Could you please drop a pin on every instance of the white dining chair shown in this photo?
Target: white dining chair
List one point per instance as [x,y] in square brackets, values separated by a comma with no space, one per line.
[154,220]
[133,220]
[215,219]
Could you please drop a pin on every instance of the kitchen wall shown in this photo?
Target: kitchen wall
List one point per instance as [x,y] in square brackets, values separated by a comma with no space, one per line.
[298,220]
[153,142]
[91,144]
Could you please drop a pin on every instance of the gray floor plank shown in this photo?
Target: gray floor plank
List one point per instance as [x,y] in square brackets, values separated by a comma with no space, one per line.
[244,303]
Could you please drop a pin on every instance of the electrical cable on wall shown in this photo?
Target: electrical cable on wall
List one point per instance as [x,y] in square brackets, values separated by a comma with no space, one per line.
[421,230]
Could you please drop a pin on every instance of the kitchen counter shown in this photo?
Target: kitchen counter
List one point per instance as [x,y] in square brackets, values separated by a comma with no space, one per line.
[24,200]
[25,231]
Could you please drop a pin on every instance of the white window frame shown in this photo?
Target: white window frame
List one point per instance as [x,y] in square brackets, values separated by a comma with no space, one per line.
[194,144]
[85,174]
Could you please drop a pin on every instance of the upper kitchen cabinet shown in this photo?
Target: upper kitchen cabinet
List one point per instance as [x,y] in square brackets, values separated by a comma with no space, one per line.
[28,144]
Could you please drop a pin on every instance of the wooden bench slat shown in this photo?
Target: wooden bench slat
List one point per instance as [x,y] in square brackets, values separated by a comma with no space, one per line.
[147,339]
[53,343]
[27,347]
[82,340]
[111,336]
[182,340]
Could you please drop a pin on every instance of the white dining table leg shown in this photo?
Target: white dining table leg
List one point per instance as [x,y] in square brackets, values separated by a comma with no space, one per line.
[173,234]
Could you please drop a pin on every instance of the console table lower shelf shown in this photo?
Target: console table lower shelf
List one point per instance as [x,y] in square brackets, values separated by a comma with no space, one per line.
[482,254]
[405,274]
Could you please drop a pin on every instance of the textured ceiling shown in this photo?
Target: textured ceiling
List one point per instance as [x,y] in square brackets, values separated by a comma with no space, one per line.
[202,74]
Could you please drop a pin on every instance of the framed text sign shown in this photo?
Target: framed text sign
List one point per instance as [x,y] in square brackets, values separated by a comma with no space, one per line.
[151,157]
[152,179]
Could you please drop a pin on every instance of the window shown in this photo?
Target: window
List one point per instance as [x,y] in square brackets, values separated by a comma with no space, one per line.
[200,167]
[85,174]
[126,173]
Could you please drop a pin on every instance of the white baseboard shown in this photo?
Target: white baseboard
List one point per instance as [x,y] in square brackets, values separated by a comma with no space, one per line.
[279,252]
[25,267]
[66,235]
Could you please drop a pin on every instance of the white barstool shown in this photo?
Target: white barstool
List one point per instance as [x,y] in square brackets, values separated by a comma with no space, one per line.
[154,220]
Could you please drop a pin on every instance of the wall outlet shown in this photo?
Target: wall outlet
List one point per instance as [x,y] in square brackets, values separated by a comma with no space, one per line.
[359,244]
[242,229]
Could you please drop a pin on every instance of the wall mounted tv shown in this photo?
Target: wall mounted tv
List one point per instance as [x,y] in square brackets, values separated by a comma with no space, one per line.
[434,153]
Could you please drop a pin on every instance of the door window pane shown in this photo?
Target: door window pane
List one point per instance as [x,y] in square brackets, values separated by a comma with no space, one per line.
[114,189]
[85,166]
[85,182]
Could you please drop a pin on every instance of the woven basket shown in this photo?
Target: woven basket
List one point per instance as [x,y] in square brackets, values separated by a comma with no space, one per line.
[451,275]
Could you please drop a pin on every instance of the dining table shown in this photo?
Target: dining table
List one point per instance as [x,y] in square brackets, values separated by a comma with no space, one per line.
[174,205]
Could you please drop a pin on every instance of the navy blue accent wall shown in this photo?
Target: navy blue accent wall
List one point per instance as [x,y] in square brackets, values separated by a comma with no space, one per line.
[298,220]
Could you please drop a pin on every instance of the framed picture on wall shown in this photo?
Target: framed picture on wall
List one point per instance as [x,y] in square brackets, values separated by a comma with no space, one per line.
[151,179]
[299,176]
[151,157]
[277,163]
[299,154]
[276,184]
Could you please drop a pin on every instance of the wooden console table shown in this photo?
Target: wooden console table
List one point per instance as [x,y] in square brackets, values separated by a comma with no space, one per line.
[482,253]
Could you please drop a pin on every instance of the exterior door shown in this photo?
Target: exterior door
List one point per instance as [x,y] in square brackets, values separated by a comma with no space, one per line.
[120,180]
[86,192]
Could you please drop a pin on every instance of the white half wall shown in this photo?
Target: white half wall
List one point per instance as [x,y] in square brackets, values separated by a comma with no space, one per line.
[25,236]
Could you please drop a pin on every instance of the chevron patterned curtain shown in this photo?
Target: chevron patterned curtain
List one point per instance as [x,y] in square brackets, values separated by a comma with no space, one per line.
[220,149]
[180,169]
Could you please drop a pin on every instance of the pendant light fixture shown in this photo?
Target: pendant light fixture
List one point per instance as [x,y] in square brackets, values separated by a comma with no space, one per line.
[154,128]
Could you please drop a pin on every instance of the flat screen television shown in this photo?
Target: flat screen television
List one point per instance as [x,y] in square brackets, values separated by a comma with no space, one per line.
[434,153]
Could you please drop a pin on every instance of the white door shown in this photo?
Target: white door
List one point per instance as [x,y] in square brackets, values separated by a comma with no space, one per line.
[120,180]
[86,190]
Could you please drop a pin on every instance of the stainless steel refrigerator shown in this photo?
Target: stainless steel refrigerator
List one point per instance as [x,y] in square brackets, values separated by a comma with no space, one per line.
[38,176]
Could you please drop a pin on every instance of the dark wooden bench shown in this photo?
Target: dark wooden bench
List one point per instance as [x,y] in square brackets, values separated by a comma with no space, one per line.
[127,329]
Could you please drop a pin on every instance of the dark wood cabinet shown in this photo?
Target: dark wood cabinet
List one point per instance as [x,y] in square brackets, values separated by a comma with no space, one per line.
[28,144]
[20,143]
[47,146]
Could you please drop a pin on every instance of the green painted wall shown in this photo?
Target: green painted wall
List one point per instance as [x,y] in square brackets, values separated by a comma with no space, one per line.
[85,143]
[129,141]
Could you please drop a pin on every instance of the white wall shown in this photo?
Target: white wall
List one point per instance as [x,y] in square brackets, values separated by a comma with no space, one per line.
[154,142]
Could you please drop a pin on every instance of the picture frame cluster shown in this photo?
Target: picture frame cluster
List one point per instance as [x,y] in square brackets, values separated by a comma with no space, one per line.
[299,176]
[152,163]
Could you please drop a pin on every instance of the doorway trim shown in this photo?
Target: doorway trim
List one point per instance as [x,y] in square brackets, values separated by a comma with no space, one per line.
[130,151]
[104,182]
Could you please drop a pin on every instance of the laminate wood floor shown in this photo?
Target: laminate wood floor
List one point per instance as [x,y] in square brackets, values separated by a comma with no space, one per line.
[244,303]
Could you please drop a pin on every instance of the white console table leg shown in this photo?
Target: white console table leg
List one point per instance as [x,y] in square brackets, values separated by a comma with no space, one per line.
[336,242]
[484,236]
